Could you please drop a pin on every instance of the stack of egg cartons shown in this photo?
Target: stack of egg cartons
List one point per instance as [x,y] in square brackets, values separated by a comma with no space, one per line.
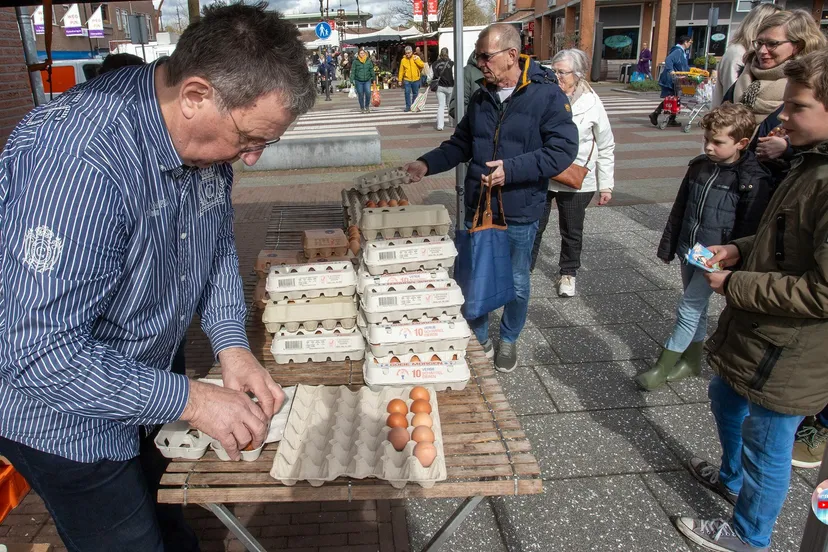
[311,309]
[268,258]
[409,307]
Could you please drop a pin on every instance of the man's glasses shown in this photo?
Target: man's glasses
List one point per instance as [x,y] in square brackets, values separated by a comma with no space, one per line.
[486,57]
[245,139]
[771,45]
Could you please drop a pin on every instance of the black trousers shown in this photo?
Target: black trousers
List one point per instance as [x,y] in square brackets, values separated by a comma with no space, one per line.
[571,213]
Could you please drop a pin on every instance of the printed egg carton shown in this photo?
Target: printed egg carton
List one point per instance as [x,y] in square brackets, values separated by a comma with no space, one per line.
[276,257]
[365,278]
[398,254]
[440,334]
[317,346]
[381,180]
[310,280]
[411,301]
[335,432]
[390,222]
[310,314]
[179,440]
[441,369]
[325,243]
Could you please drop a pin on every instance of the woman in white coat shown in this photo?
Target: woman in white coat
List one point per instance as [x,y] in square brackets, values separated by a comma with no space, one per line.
[596,152]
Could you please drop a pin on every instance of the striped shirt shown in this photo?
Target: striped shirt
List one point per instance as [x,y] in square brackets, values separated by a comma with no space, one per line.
[109,246]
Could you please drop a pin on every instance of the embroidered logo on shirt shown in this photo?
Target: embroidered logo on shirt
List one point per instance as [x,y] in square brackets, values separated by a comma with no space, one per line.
[212,190]
[41,248]
[156,206]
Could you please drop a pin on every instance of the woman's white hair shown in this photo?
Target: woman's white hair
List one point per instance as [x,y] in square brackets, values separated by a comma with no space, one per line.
[408,49]
[577,60]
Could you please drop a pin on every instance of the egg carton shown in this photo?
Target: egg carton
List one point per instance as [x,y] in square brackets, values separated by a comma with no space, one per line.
[318,346]
[260,296]
[441,369]
[311,280]
[354,202]
[390,222]
[365,278]
[381,180]
[441,334]
[398,254]
[411,301]
[335,432]
[276,257]
[325,243]
[310,314]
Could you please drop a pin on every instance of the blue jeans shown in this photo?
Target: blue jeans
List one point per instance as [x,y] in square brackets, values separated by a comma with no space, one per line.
[412,88]
[691,315]
[757,445]
[521,238]
[363,90]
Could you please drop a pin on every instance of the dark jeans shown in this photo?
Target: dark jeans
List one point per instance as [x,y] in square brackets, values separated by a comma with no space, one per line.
[571,213]
[412,89]
[107,505]
[363,91]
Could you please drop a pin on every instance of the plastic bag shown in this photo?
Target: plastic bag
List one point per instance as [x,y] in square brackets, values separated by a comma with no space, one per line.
[637,77]
[419,103]
[375,96]
[352,94]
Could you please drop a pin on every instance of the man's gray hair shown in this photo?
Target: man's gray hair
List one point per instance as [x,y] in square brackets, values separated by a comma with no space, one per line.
[577,61]
[507,35]
[245,52]
[408,50]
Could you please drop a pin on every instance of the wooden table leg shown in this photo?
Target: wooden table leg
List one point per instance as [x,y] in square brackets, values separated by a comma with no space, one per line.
[235,526]
[453,523]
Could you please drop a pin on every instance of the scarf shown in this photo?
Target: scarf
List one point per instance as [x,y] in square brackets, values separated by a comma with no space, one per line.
[580,89]
[761,90]
[362,57]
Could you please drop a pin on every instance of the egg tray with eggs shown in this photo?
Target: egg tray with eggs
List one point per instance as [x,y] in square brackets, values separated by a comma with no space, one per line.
[310,314]
[409,254]
[391,222]
[445,333]
[305,281]
[355,202]
[381,304]
[318,346]
[441,369]
[381,180]
[324,243]
[335,432]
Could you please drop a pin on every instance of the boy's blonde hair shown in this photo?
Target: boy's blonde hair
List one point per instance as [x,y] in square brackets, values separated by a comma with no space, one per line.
[811,71]
[736,116]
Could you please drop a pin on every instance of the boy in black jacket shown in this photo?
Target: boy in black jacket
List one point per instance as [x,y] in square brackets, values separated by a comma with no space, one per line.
[721,198]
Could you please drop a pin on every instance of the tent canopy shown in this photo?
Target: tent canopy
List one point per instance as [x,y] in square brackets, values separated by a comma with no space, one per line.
[383,36]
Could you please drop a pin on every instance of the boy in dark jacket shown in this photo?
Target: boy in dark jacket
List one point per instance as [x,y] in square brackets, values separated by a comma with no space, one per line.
[770,348]
[721,198]
[676,62]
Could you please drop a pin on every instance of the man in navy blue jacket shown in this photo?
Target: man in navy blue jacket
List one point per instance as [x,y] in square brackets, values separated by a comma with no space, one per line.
[519,131]
[676,62]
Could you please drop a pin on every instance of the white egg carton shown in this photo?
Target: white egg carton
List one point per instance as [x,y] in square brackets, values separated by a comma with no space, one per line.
[260,296]
[381,180]
[411,301]
[388,222]
[441,370]
[310,314]
[305,281]
[441,334]
[365,278]
[335,432]
[409,254]
[318,346]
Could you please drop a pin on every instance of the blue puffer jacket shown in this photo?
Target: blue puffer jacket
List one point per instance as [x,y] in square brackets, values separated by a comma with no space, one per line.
[536,139]
[676,61]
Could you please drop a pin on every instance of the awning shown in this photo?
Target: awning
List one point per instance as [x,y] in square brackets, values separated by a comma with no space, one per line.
[420,37]
[384,36]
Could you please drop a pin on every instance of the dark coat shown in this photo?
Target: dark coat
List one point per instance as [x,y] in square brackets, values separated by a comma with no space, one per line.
[780,166]
[716,203]
[532,132]
[472,75]
[443,71]
[676,61]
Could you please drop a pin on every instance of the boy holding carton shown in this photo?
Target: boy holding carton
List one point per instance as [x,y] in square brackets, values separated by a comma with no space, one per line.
[770,348]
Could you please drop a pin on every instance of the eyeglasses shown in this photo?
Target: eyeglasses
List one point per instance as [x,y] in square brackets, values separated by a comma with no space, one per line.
[486,57]
[245,138]
[562,73]
[771,45]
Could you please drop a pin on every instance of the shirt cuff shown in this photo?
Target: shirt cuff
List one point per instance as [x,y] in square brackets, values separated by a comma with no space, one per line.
[226,334]
[168,396]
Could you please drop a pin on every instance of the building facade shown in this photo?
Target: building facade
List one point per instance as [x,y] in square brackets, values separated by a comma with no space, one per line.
[350,19]
[15,90]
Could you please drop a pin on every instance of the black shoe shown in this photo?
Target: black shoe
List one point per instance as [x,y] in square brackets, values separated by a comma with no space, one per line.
[708,475]
[654,118]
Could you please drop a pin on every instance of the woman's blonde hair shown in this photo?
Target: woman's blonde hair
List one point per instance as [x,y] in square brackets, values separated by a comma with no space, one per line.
[800,29]
[749,28]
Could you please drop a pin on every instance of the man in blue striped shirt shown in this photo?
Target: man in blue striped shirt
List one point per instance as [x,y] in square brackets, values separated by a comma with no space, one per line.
[117,227]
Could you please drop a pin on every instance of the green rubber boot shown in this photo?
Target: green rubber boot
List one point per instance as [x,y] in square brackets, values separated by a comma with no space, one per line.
[656,376]
[689,364]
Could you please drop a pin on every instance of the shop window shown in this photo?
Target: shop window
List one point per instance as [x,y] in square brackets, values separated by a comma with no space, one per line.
[620,43]
[685,12]
[700,11]
[718,39]
[724,9]
[620,16]
[118,19]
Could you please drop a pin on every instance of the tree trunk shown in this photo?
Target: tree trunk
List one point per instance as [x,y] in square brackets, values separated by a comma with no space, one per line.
[671,35]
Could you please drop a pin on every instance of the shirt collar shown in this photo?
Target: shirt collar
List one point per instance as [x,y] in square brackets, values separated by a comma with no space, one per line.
[149,114]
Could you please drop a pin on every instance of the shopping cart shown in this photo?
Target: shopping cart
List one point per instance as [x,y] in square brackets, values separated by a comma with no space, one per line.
[694,93]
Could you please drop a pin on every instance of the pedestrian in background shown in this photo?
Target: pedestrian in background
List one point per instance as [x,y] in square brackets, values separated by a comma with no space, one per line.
[644,59]
[676,62]
[363,73]
[596,152]
[472,77]
[442,82]
[411,67]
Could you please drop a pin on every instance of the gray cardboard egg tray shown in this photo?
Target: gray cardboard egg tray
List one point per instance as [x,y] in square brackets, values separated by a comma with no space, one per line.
[391,222]
[305,281]
[381,180]
[317,346]
[335,432]
[355,202]
[310,314]
[408,254]
[382,304]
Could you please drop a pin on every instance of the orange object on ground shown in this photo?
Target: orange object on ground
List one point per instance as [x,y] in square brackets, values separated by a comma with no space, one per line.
[13,487]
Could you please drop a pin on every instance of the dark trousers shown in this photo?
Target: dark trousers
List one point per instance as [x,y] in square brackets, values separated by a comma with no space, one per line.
[106,505]
[571,213]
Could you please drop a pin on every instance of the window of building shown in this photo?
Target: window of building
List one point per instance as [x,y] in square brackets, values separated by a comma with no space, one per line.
[148,21]
[620,43]
[118,19]
[125,17]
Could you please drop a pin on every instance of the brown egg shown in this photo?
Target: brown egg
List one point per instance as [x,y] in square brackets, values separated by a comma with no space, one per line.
[421,406]
[426,453]
[396,420]
[415,358]
[395,360]
[422,419]
[419,393]
[370,204]
[423,433]
[399,437]
[435,358]
[398,406]
[393,203]
[354,246]
[382,203]
[248,448]
[403,202]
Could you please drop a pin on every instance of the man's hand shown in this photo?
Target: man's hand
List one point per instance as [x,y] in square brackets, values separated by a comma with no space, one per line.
[771,147]
[241,371]
[416,170]
[498,177]
[726,255]
[717,280]
[604,198]
[226,415]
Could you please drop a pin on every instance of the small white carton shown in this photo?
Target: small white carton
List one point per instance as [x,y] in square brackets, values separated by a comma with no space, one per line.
[442,370]
[396,255]
[310,314]
[440,334]
[318,346]
[365,278]
[311,280]
[412,301]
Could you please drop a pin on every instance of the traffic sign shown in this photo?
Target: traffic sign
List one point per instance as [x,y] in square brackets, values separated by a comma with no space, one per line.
[323,30]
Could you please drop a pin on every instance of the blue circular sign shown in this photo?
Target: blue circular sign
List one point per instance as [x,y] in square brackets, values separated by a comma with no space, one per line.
[323,30]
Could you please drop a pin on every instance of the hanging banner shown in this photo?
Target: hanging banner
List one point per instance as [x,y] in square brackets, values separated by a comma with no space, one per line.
[418,10]
[37,19]
[95,24]
[432,10]
[72,25]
